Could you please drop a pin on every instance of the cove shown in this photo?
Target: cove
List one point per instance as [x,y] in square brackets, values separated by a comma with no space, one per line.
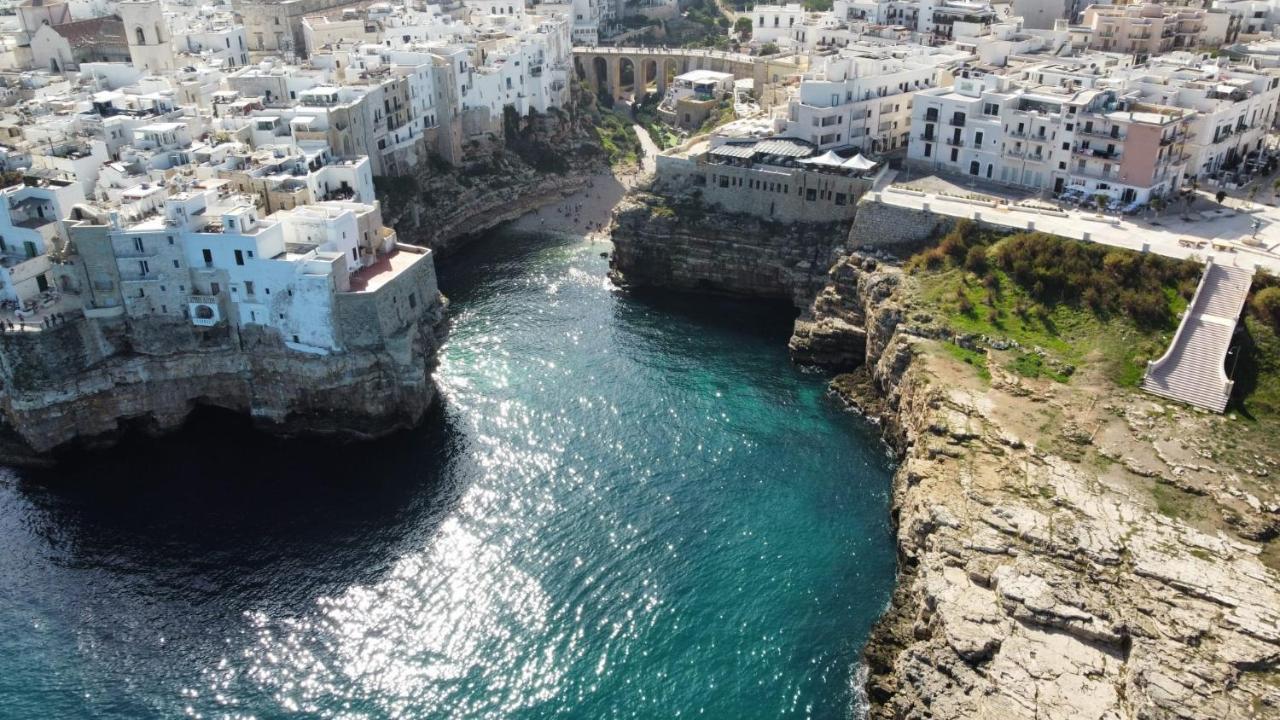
[625,507]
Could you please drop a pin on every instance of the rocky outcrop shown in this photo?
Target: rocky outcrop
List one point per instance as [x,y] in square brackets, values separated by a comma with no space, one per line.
[83,383]
[832,332]
[687,247]
[1031,585]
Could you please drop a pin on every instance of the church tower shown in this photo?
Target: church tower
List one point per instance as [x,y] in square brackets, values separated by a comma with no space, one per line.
[150,46]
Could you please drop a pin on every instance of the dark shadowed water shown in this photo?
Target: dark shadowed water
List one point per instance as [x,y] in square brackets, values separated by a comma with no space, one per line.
[625,508]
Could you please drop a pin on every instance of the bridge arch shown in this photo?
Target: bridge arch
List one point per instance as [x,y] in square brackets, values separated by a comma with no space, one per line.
[599,73]
[629,77]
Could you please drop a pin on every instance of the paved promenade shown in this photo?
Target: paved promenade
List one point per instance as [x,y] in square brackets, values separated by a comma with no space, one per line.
[1226,234]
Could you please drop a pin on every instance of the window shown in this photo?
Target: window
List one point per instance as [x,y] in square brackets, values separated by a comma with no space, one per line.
[413,300]
[143,267]
[239,257]
[170,239]
[977,138]
[810,194]
[137,244]
[175,263]
[248,287]
[973,167]
[208,257]
[955,154]
[842,199]
[928,149]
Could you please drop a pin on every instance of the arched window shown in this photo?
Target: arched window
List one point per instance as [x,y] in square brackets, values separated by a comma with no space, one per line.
[137,32]
[159,35]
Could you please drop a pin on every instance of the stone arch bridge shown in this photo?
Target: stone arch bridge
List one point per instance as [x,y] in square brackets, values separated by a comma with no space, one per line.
[605,68]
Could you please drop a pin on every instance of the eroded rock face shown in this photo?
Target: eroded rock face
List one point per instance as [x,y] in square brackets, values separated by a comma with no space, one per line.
[686,247]
[1032,588]
[1030,585]
[89,401]
[498,181]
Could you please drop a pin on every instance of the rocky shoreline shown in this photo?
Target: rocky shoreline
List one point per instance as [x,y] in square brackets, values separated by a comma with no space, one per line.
[1037,577]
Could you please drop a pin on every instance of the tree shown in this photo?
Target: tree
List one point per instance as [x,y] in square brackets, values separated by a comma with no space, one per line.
[1220,196]
[1266,303]
[1101,200]
[743,28]
[1275,189]
[1253,194]
[1157,204]
[769,49]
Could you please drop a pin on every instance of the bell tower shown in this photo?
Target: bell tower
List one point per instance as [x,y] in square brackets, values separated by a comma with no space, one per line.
[150,45]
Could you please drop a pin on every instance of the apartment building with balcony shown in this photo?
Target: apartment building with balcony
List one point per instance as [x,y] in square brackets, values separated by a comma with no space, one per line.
[29,231]
[1147,29]
[1235,104]
[208,261]
[1050,138]
[861,96]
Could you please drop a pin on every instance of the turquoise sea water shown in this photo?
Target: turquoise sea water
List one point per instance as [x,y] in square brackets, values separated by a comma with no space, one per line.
[625,508]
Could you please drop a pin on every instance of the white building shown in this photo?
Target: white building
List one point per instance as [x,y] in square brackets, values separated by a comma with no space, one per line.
[861,96]
[29,230]
[1051,138]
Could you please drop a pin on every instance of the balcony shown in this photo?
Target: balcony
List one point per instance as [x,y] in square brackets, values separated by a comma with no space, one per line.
[25,268]
[1096,153]
[1015,152]
[1016,133]
[1099,132]
[957,121]
[955,142]
[1095,174]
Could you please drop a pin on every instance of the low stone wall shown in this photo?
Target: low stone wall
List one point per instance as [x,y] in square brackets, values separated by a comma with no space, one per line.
[881,225]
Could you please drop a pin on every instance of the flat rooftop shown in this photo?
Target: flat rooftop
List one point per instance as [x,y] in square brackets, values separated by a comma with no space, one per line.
[373,277]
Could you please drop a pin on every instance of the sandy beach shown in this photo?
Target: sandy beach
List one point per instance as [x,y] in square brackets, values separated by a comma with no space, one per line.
[587,211]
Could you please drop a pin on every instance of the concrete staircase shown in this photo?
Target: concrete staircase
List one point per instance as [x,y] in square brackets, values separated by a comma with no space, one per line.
[1191,370]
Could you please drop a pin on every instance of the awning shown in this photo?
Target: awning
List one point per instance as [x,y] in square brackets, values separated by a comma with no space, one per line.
[734,151]
[784,147]
[827,159]
[858,162]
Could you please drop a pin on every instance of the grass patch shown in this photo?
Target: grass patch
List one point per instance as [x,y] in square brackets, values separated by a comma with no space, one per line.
[1063,302]
[1032,365]
[969,357]
[1256,369]
[1176,503]
[618,139]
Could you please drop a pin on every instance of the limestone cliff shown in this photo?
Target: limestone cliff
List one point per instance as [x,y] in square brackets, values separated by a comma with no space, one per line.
[1040,575]
[538,160]
[1034,584]
[686,247]
[82,383]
